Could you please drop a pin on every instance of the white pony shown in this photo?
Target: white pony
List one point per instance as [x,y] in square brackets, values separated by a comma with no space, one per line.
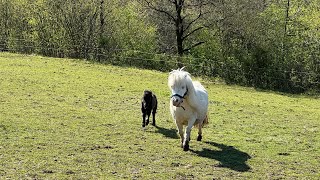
[188,104]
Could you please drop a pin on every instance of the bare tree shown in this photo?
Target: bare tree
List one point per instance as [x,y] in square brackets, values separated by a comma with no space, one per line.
[185,16]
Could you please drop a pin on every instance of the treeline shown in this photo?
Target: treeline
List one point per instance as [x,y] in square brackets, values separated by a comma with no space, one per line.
[269,44]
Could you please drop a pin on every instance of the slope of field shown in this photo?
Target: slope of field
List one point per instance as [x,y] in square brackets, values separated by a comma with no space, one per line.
[71,119]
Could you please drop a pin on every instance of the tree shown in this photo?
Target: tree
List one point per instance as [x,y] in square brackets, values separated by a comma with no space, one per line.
[4,22]
[79,20]
[185,16]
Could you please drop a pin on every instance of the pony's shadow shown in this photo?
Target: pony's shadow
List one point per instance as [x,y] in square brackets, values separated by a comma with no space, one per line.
[170,133]
[228,156]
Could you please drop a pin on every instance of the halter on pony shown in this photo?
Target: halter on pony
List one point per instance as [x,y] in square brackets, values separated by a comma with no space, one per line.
[182,97]
[178,95]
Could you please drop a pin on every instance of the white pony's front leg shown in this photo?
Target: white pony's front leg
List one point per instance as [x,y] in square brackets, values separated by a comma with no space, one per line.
[188,134]
[180,131]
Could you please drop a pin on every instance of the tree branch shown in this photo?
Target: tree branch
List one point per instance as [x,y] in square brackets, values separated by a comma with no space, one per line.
[190,23]
[193,46]
[173,1]
[160,10]
[190,33]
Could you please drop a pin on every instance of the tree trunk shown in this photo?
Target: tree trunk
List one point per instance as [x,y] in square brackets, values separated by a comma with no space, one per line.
[101,18]
[285,33]
[101,39]
[179,31]
[6,26]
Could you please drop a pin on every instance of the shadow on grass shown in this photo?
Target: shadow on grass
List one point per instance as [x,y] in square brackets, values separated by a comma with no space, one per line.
[170,133]
[228,156]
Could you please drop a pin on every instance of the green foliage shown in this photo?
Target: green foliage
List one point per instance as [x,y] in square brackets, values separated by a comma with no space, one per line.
[132,30]
[272,51]
[264,44]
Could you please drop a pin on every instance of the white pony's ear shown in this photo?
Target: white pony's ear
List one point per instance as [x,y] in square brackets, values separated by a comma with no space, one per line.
[182,68]
[174,70]
[186,74]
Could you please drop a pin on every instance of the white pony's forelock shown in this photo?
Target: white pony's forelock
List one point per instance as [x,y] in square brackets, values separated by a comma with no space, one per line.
[178,70]
[177,76]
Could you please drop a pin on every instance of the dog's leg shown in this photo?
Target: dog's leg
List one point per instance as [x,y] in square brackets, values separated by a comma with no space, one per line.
[154,110]
[153,118]
[143,119]
[148,116]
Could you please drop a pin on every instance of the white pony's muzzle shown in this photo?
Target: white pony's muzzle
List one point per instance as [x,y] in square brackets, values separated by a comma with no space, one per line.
[176,101]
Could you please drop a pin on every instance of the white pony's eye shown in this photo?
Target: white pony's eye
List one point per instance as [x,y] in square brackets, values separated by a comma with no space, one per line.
[182,87]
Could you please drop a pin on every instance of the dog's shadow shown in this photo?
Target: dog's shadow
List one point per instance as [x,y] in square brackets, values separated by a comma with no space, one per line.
[170,133]
[228,156]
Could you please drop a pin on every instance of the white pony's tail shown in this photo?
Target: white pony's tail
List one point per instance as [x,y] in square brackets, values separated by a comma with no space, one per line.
[205,121]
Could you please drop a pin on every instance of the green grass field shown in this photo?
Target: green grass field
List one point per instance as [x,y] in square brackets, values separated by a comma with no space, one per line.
[71,119]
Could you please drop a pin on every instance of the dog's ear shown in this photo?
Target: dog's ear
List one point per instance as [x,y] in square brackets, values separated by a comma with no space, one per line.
[145,92]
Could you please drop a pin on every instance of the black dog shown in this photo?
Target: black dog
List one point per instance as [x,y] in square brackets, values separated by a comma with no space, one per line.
[148,103]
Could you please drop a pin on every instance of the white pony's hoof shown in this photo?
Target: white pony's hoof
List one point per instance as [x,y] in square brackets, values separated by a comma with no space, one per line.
[199,138]
[186,147]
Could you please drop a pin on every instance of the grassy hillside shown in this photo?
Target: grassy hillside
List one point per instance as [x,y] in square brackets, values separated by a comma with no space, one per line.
[70,119]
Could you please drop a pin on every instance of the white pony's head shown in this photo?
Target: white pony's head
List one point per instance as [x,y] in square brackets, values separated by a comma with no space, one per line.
[178,83]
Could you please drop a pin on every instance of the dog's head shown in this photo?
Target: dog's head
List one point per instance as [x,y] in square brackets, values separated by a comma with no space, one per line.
[147,99]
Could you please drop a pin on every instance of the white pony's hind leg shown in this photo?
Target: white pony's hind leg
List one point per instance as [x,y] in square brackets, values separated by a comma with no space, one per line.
[205,121]
[199,132]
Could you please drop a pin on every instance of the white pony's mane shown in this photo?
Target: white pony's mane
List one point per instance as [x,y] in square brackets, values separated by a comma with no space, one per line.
[179,71]
[178,75]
